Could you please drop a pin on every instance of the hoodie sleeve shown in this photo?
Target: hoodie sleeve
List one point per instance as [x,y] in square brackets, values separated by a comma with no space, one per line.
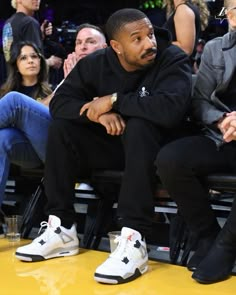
[171,90]
[71,95]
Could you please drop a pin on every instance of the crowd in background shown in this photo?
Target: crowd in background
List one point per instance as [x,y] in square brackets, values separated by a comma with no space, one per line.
[61,42]
[140,82]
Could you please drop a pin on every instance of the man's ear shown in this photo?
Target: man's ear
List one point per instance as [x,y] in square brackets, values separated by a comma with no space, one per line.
[116,46]
[231,16]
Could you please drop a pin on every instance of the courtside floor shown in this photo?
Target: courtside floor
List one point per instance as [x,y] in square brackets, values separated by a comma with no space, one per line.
[74,275]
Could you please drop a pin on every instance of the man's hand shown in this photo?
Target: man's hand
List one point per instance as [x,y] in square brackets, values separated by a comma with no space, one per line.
[46,28]
[47,100]
[97,107]
[114,123]
[227,127]
[54,62]
[69,63]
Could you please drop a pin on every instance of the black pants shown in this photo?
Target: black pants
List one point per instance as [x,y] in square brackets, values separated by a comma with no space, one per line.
[74,150]
[182,164]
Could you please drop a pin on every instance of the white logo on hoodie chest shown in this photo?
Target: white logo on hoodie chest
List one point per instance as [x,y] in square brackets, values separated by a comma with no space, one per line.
[143,92]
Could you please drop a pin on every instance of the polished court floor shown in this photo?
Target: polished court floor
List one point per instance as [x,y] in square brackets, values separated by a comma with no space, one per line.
[74,275]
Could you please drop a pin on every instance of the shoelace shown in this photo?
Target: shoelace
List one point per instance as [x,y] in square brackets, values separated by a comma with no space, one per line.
[123,247]
[43,225]
[45,231]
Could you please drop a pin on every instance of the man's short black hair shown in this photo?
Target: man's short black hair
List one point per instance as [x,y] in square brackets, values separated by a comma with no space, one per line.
[120,18]
[90,26]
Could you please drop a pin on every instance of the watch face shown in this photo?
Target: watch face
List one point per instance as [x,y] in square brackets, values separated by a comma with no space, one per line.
[114,97]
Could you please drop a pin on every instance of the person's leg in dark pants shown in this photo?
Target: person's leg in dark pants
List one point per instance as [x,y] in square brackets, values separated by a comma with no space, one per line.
[141,141]
[181,165]
[220,260]
[73,151]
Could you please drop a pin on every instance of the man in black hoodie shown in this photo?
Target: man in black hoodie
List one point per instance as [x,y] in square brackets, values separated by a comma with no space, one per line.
[115,110]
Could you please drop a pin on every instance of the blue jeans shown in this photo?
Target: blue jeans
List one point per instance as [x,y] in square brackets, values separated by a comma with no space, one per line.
[24,126]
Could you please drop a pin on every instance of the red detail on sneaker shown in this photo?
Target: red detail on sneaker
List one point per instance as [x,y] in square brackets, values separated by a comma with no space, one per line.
[130,237]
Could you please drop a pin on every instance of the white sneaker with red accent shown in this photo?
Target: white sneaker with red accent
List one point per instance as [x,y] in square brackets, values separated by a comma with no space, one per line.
[55,241]
[127,262]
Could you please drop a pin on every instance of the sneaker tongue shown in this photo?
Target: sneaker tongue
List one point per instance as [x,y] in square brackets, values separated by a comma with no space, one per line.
[130,233]
[54,221]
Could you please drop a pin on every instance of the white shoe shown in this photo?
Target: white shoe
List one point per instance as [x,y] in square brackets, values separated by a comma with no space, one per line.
[85,187]
[127,262]
[55,241]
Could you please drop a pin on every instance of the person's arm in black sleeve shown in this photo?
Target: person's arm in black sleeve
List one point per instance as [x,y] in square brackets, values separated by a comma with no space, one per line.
[171,90]
[71,95]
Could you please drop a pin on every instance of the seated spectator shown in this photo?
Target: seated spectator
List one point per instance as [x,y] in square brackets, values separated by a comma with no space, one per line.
[27,72]
[183,164]
[21,136]
[24,131]
[185,20]
[115,110]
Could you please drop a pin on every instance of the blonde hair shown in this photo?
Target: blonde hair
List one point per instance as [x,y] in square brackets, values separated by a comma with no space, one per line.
[229,3]
[204,12]
[202,7]
[13,3]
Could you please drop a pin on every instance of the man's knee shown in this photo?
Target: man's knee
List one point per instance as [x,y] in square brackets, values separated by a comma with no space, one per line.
[169,160]
[56,125]
[61,130]
[137,125]
[141,132]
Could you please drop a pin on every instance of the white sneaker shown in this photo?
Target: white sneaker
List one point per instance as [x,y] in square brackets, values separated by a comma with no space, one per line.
[55,241]
[127,262]
[85,187]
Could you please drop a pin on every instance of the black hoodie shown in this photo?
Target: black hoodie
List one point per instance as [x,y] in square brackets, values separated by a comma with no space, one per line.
[159,93]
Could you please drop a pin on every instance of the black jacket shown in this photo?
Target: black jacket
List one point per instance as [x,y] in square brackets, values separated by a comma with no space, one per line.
[159,93]
[215,73]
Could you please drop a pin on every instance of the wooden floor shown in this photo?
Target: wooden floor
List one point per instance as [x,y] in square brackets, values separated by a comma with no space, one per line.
[74,275]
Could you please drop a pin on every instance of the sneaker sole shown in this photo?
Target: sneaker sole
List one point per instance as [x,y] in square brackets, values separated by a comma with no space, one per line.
[35,258]
[109,279]
[208,282]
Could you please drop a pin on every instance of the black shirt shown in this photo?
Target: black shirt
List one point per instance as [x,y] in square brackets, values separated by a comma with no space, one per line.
[20,27]
[27,90]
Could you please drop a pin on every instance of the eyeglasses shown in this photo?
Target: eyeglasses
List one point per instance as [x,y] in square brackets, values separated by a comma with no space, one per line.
[32,56]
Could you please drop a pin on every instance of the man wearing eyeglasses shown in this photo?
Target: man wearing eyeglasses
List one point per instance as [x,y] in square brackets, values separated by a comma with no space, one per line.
[183,163]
